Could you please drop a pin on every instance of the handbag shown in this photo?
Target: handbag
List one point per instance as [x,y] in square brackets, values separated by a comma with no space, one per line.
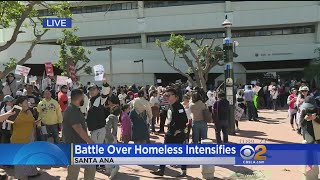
[207,116]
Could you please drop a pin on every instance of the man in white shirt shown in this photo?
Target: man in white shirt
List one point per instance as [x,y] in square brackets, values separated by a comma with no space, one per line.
[154,102]
[5,126]
[122,97]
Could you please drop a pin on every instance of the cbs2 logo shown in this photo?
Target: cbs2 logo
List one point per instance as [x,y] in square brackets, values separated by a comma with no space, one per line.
[247,152]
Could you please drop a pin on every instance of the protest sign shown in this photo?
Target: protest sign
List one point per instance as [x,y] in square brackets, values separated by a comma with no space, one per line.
[33,79]
[159,81]
[72,71]
[49,69]
[98,72]
[62,80]
[238,113]
[22,70]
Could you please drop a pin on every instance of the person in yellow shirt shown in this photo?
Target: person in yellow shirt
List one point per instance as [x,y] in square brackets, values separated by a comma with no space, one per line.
[24,132]
[50,116]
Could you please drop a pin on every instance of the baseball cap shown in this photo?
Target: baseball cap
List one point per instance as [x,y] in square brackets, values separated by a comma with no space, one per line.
[304,88]
[8,98]
[93,86]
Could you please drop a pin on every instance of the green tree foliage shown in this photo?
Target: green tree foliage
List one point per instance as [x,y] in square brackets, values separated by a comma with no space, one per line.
[71,51]
[312,70]
[199,62]
[18,14]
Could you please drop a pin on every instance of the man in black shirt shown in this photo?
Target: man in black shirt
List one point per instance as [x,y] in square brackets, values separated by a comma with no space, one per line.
[75,131]
[221,110]
[176,128]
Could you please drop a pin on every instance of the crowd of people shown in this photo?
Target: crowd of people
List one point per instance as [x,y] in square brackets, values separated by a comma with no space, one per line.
[65,114]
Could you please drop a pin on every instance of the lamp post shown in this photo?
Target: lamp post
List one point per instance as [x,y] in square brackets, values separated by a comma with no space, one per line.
[229,76]
[142,69]
[110,56]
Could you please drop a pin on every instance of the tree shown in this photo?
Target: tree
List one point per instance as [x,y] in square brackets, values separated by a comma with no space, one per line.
[71,51]
[201,61]
[16,13]
[312,70]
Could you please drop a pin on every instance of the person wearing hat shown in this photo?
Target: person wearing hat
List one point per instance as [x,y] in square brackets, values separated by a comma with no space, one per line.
[97,114]
[303,92]
[63,98]
[291,100]
[5,126]
[308,118]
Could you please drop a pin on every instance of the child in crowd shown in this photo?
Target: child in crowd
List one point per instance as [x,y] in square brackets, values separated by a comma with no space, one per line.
[126,124]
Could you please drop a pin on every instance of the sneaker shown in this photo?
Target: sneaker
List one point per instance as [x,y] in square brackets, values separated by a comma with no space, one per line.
[237,129]
[183,173]
[159,172]
[256,120]
[114,172]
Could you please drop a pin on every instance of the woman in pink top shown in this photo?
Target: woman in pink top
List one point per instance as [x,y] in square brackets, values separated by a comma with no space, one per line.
[292,98]
[126,124]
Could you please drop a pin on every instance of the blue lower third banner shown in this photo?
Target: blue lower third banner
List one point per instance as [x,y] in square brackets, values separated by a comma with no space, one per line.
[44,153]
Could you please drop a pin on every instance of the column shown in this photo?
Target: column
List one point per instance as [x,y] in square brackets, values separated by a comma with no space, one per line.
[207,171]
[317,33]
[140,9]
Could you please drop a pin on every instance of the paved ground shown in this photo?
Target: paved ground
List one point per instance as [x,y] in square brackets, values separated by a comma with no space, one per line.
[273,127]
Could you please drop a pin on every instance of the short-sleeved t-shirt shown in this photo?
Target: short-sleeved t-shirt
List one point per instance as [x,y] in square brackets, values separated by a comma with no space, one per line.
[71,117]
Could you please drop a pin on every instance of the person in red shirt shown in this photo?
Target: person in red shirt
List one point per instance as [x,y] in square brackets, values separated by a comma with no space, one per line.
[292,98]
[63,98]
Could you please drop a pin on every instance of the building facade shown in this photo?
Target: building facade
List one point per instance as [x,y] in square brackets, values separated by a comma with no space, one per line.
[277,37]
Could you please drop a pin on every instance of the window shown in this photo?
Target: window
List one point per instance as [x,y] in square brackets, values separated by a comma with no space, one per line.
[263,33]
[124,6]
[298,30]
[201,36]
[116,7]
[220,35]
[134,5]
[276,32]
[126,41]
[98,43]
[287,31]
[309,30]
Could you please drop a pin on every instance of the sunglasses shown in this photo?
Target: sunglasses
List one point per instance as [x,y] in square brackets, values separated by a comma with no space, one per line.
[304,91]
[168,95]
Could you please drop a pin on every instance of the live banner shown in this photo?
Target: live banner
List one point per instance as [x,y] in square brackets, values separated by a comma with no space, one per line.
[49,69]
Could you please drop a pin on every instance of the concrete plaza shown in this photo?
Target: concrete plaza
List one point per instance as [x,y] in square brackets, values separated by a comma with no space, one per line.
[273,127]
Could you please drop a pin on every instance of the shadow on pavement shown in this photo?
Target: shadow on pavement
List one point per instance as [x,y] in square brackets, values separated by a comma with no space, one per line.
[239,169]
[254,134]
[168,172]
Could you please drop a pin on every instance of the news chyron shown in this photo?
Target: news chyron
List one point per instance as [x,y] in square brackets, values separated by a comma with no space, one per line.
[57,23]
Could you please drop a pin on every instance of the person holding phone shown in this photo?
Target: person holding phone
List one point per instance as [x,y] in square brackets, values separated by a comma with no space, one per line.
[24,132]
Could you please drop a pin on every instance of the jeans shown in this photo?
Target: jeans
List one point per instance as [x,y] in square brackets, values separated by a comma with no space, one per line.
[99,135]
[73,172]
[251,110]
[53,131]
[224,129]
[199,130]
[274,104]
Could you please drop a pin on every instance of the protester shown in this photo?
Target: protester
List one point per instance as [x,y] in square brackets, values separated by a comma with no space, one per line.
[111,136]
[199,125]
[154,101]
[97,114]
[63,98]
[75,131]
[51,117]
[24,132]
[11,86]
[291,100]
[186,104]
[240,103]
[126,124]
[122,97]
[221,110]
[164,106]
[139,118]
[84,107]
[303,93]
[176,127]
[5,126]
[274,96]
[248,97]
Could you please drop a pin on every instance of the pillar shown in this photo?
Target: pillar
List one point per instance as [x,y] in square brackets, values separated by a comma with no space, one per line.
[207,171]
[228,6]
[317,33]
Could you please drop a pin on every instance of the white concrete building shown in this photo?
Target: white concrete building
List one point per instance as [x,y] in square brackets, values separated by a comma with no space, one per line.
[274,36]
